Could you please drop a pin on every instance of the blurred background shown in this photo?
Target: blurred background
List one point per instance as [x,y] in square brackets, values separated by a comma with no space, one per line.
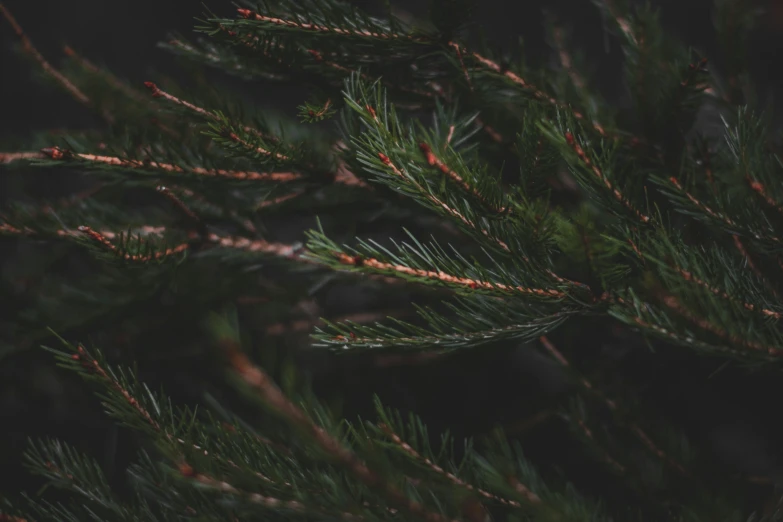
[470,391]
[124,34]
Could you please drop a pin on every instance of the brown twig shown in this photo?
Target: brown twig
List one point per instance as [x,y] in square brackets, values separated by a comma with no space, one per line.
[57,153]
[688,276]
[247,13]
[673,303]
[474,284]
[262,384]
[9,157]
[600,175]
[104,242]
[436,162]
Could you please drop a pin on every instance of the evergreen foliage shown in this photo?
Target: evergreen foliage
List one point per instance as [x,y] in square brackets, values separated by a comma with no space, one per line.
[524,201]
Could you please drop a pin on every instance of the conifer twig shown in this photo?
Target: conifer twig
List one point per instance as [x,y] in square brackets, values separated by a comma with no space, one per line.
[521,82]
[104,242]
[455,213]
[473,284]
[688,276]
[93,366]
[247,13]
[407,448]
[740,246]
[262,384]
[673,303]
[57,153]
[436,162]
[343,175]
[619,196]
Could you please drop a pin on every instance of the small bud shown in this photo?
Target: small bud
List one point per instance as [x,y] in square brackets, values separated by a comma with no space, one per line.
[245,13]
[83,228]
[154,88]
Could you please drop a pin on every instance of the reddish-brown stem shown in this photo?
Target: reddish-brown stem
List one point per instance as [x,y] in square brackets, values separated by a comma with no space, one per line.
[104,242]
[746,255]
[521,82]
[358,261]
[343,175]
[688,276]
[9,157]
[674,304]
[600,175]
[247,13]
[436,162]
[320,112]
[407,448]
[199,226]
[453,212]
[57,153]
[763,191]
[712,213]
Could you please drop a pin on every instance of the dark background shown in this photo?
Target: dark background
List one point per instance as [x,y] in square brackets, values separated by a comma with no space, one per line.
[123,35]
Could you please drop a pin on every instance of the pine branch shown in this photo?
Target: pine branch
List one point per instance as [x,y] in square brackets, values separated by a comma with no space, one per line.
[261,383]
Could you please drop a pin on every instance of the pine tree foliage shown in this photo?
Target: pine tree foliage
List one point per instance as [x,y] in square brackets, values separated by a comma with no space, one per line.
[641,217]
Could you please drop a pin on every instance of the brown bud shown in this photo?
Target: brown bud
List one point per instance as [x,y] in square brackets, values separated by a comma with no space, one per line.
[154,88]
